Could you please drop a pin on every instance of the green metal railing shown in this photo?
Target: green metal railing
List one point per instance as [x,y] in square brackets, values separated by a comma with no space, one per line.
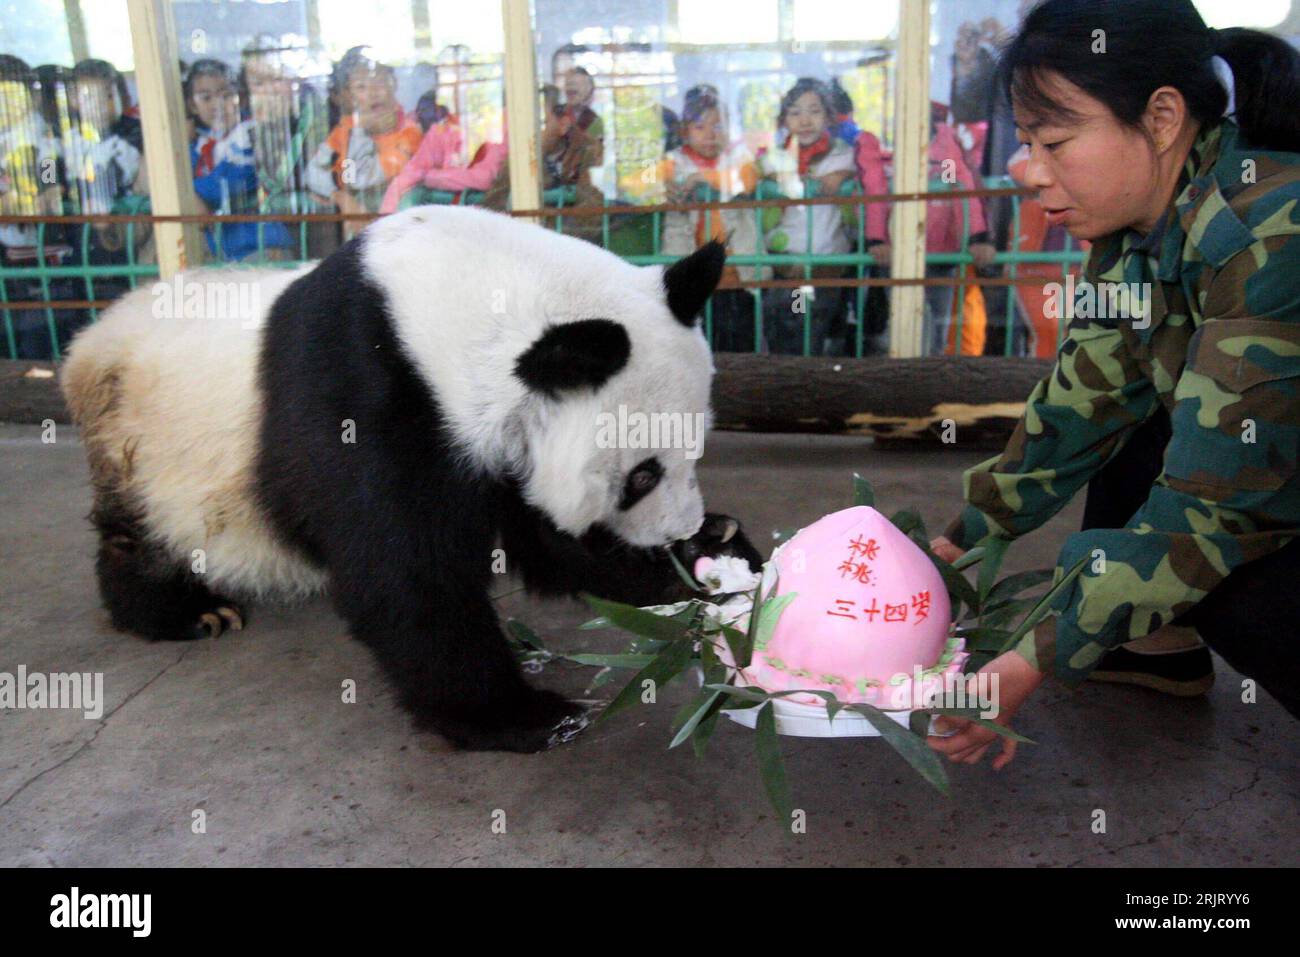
[634,236]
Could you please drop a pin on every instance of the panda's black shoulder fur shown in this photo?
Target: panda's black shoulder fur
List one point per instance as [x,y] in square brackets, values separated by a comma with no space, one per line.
[355,467]
[345,414]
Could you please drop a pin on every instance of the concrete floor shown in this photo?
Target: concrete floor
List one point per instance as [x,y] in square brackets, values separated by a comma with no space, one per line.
[250,729]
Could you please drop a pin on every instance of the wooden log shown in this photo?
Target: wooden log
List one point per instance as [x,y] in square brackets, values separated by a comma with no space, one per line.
[895,399]
[29,392]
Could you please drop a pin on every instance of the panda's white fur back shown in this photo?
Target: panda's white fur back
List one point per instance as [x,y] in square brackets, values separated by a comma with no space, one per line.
[169,410]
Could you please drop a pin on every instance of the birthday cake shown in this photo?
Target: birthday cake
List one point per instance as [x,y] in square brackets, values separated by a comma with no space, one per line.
[869,620]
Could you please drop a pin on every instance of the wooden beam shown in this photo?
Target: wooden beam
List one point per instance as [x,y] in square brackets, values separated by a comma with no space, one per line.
[166,143]
[522,105]
[898,399]
[423,39]
[76,30]
[911,175]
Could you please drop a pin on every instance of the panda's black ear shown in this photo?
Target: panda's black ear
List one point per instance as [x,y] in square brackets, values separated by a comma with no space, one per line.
[690,281]
[574,355]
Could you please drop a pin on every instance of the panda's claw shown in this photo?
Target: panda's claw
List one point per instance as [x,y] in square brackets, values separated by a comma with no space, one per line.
[568,729]
[210,624]
[232,617]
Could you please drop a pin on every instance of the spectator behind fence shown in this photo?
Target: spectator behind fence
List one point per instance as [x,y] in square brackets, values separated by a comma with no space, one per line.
[368,147]
[572,135]
[944,226]
[28,154]
[290,121]
[708,166]
[809,161]
[29,186]
[103,149]
[221,153]
[869,163]
[436,165]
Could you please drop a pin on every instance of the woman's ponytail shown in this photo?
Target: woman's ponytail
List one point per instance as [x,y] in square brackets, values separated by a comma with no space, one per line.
[1266,75]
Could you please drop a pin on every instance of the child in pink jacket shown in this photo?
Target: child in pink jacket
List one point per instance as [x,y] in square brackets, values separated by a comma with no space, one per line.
[943,218]
[435,165]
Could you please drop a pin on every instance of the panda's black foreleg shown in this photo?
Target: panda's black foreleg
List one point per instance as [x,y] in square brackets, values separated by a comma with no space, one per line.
[437,639]
[554,563]
[147,591]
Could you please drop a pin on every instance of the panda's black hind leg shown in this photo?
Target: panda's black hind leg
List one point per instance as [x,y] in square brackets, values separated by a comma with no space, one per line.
[146,591]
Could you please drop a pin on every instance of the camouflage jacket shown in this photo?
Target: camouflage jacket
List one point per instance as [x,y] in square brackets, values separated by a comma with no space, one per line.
[1220,349]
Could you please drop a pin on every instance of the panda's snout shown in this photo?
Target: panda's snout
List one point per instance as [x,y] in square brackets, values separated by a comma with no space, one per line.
[691,529]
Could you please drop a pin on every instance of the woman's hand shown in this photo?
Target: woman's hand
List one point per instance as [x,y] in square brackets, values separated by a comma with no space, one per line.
[1017,679]
[946,549]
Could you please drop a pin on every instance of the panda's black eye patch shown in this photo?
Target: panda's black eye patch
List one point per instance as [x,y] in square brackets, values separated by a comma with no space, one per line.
[640,483]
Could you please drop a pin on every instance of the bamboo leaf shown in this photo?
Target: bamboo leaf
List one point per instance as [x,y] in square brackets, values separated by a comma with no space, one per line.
[971,556]
[685,575]
[913,750]
[768,616]
[1005,612]
[1044,604]
[745,693]
[753,695]
[671,662]
[637,620]
[905,520]
[738,642]
[704,704]
[611,661]
[603,677]
[994,551]
[700,739]
[755,615]
[973,714]
[919,723]
[524,635]
[959,589]
[770,765]
[863,493]
[1013,585]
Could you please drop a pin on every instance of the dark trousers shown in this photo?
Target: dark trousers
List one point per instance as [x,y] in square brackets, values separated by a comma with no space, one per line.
[1252,619]
[733,321]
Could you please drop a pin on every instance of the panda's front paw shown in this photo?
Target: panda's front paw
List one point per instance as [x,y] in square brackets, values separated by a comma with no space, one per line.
[537,721]
[719,536]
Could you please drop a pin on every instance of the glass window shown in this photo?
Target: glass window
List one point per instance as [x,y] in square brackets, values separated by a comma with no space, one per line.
[727,105]
[70,145]
[973,145]
[338,106]
[973,132]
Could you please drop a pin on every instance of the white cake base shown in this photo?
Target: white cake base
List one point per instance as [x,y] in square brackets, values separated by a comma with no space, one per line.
[809,721]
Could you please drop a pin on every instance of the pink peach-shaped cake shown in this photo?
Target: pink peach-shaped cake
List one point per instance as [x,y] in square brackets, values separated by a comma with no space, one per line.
[870,610]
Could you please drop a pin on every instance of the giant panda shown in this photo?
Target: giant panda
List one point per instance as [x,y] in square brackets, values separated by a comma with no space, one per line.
[379,425]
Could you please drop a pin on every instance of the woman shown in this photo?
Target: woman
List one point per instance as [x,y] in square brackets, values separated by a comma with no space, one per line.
[1183,413]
